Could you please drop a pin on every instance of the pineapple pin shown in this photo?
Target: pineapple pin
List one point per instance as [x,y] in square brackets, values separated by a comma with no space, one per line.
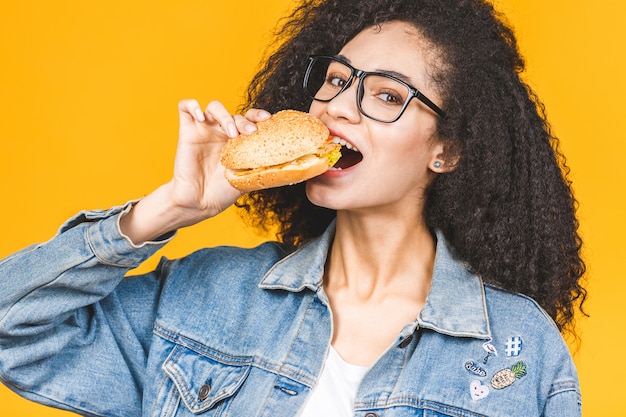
[507,376]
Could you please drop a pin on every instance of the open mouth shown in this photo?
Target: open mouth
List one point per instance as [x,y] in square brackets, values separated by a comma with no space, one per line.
[350,155]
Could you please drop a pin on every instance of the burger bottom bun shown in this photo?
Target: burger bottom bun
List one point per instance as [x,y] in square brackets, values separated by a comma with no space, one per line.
[277,176]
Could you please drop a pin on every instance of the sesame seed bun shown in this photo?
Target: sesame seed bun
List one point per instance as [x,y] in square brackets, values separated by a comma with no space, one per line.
[288,148]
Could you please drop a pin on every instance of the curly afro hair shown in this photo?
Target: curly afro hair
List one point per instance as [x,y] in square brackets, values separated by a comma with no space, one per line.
[507,208]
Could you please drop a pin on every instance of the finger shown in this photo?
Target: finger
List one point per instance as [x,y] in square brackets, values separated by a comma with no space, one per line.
[191,108]
[215,111]
[257,115]
[247,123]
[244,125]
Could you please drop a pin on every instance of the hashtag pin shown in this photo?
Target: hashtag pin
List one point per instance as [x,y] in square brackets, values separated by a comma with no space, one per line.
[513,346]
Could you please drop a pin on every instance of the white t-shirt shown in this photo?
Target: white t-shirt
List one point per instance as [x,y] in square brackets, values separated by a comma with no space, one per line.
[334,393]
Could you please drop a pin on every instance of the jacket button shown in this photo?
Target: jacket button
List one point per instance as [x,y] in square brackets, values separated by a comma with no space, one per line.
[371,415]
[204,391]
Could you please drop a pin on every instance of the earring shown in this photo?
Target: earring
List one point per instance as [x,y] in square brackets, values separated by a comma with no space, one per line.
[437,164]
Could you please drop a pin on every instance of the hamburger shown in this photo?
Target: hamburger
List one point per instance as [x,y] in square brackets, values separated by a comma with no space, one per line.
[288,148]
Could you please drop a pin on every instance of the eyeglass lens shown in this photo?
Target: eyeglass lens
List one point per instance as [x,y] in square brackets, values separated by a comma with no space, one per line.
[381,97]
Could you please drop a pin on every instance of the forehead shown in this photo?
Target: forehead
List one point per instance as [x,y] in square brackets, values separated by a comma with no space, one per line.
[392,46]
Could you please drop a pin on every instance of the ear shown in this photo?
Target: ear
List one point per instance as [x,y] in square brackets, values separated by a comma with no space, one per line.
[442,159]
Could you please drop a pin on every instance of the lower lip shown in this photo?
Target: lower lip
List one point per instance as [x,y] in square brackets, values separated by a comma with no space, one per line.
[336,173]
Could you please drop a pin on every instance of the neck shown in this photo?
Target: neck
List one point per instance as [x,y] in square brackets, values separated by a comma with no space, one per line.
[374,257]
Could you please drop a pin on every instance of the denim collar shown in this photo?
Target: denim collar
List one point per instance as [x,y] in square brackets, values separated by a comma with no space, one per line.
[455,304]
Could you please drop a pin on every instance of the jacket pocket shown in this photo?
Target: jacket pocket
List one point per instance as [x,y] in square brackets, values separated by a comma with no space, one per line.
[204,381]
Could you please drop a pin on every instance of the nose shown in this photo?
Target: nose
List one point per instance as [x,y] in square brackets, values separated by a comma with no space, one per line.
[344,105]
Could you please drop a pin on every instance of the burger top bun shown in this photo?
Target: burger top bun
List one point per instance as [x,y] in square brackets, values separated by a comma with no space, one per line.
[287,135]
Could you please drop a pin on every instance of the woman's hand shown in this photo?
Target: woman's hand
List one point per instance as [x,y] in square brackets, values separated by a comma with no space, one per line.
[199,184]
[198,189]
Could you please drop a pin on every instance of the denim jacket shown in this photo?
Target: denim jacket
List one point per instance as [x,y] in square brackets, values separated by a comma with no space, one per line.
[244,332]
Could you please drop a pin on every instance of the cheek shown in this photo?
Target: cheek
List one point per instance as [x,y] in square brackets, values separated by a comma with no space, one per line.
[407,160]
[316,108]
[406,149]
[417,143]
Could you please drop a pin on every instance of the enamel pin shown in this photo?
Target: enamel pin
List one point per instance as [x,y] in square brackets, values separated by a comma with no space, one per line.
[478,391]
[513,346]
[507,376]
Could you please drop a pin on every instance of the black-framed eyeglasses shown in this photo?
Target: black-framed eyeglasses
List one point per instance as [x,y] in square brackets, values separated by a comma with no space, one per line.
[380,96]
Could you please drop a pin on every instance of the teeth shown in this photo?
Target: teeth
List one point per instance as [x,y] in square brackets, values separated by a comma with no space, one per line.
[343,142]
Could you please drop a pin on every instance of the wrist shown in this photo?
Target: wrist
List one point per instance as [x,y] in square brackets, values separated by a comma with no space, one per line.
[153,217]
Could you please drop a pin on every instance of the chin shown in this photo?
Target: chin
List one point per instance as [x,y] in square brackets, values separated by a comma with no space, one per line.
[335,197]
[322,194]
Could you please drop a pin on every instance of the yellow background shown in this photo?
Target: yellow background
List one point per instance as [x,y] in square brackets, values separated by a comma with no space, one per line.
[88,95]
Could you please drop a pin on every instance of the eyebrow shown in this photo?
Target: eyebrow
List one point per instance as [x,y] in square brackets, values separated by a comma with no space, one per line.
[395,74]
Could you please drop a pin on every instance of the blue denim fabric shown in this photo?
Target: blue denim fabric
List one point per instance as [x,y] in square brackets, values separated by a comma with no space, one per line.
[244,332]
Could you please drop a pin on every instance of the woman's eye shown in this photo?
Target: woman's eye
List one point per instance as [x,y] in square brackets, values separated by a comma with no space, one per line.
[336,81]
[390,97]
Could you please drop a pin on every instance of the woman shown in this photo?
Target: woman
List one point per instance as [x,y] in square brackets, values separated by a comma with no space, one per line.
[429,273]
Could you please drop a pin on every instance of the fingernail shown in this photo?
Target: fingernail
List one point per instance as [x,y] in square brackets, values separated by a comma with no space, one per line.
[232,131]
[264,114]
[249,127]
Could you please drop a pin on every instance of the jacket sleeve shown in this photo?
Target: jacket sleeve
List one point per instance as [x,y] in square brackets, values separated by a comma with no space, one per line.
[563,396]
[564,401]
[72,336]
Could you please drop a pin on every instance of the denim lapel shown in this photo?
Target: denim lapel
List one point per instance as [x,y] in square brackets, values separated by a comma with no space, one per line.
[456,302]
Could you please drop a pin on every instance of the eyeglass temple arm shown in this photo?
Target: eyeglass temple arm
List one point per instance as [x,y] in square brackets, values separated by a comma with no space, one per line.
[421,97]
